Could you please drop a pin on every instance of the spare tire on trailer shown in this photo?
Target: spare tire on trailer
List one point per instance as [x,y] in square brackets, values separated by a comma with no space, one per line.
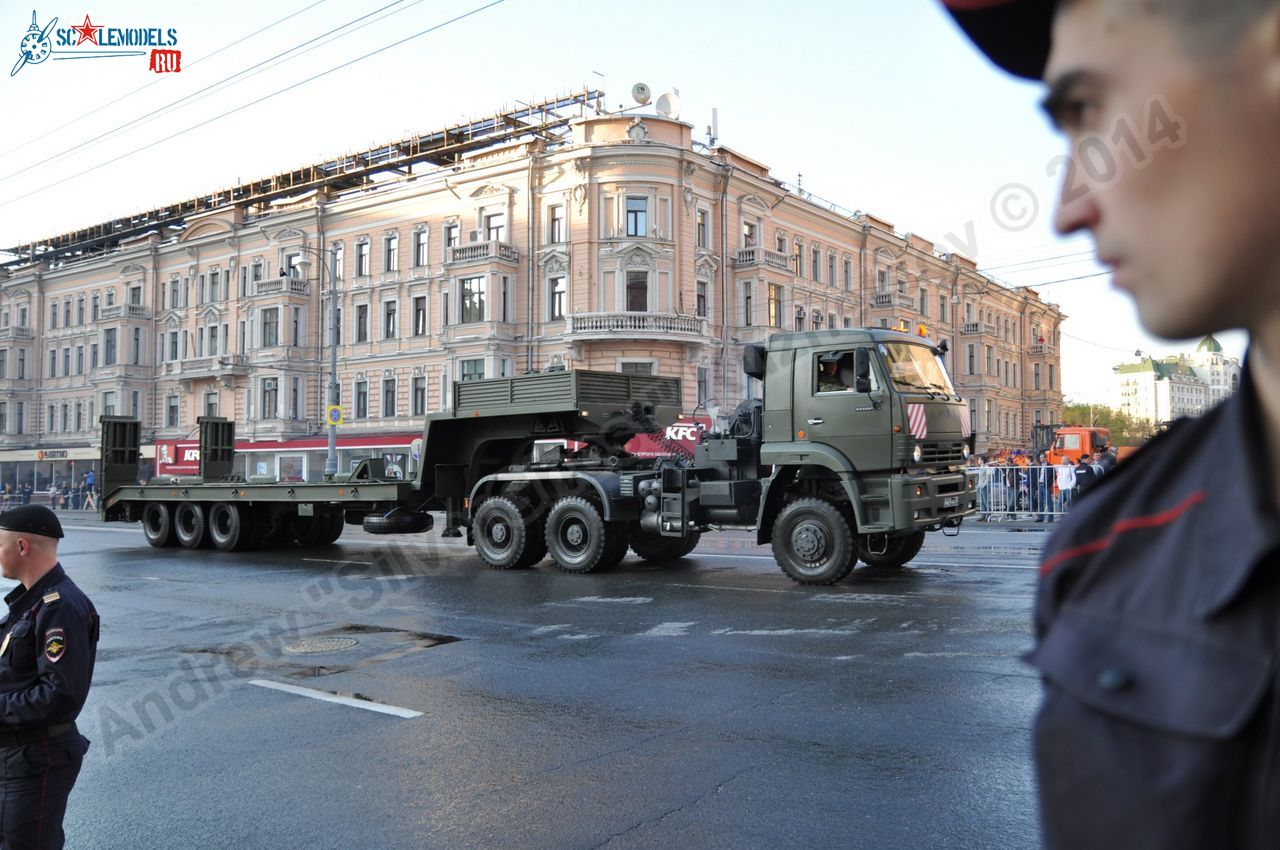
[397,522]
[157,524]
[231,526]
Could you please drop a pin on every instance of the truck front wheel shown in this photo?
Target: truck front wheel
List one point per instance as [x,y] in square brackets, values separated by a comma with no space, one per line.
[504,539]
[812,542]
[577,537]
[897,551]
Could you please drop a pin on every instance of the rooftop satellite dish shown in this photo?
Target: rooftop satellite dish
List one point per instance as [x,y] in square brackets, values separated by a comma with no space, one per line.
[640,93]
[668,105]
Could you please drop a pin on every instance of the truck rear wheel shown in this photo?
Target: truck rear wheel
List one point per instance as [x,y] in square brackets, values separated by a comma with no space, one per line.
[230,526]
[812,542]
[617,537]
[504,538]
[898,550]
[577,538]
[157,524]
[330,527]
[653,547]
[190,525]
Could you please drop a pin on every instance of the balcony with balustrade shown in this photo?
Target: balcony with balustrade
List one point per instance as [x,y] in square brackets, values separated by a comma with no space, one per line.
[747,258]
[661,326]
[282,285]
[123,311]
[480,253]
[15,333]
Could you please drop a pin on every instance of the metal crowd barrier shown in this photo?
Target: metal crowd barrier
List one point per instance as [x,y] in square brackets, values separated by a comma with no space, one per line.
[1007,493]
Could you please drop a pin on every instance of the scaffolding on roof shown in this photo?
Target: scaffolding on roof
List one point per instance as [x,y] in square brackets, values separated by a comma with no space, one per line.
[443,147]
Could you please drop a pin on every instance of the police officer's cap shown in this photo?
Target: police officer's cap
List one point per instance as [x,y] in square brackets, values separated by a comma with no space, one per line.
[32,519]
[1014,34]
[829,357]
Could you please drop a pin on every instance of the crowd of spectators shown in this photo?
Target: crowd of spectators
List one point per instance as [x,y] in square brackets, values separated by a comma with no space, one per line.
[1014,483]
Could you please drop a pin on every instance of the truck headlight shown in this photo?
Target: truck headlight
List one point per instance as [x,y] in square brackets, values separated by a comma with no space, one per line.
[964,452]
[917,454]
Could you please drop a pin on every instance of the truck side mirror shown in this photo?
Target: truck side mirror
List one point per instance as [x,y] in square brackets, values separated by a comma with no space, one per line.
[862,370]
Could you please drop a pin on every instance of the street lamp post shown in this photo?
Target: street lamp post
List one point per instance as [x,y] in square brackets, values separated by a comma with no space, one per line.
[331,457]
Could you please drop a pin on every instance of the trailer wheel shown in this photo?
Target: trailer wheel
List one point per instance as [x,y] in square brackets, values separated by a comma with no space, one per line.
[654,547]
[157,524]
[330,525]
[576,535]
[504,538]
[899,551]
[230,526]
[190,525]
[812,542]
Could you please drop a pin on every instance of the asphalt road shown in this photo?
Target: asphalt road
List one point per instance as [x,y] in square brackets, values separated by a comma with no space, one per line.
[705,703]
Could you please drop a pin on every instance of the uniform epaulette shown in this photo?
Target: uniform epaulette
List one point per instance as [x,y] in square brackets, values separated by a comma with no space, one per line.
[52,597]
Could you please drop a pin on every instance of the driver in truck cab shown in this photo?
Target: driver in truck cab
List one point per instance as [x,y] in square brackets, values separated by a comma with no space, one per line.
[829,373]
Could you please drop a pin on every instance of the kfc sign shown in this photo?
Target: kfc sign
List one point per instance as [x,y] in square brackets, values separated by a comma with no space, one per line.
[175,457]
[676,440]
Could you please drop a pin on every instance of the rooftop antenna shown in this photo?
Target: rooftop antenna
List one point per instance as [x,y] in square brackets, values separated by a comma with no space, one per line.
[668,105]
[640,93]
[713,130]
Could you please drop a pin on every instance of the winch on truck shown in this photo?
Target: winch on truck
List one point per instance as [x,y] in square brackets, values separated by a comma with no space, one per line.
[854,453]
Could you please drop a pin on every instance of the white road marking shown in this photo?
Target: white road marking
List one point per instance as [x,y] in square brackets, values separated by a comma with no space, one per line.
[669,630]
[73,527]
[853,629]
[961,654]
[325,696]
[333,561]
[617,600]
[578,637]
[542,630]
[883,598]
[730,587]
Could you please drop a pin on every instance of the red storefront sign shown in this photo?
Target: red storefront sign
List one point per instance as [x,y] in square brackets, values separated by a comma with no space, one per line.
[177,457]
[676,440]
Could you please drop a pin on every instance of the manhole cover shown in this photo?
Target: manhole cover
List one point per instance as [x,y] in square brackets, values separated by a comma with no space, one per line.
[321,644]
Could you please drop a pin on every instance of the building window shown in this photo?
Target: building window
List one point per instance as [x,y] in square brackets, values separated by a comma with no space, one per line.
[848,322]
[362,323]
[171,413]
[211,404]
[270,327]
[700,299]
[799,318]
[95,310]
[66,360]
[270,398]
[53,316]
[66,305]
[750,234]
[53,364]
[637,292]
[20,420]
[472,370]
[389,309]
[637,216]
[924,301]
[135,355]
[444,308]
[704,379]
[391,253]
[1050,376]
[65,419]
[495,227]
[4,417]
[420,315]
[636,367]
[471,301]
[775,306]
[991,364]
[555,224]
[748,318]
[970,360]
[799,261]
[109,347]
[109,404]
[4,365]
[451,235]
[556,293]
[419,248]
[419,401]
[50,422]
[362,399]
[79,315]
[831,320]
[388,398]
[816,266]
[362,259]
[780,242]
[93,357]
[215,288]
[942,308]
[700,228]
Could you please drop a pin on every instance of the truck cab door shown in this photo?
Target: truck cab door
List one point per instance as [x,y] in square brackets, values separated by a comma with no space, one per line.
[830,408]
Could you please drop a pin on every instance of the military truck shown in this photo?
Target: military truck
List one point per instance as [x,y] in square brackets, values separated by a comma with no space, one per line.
[854,453]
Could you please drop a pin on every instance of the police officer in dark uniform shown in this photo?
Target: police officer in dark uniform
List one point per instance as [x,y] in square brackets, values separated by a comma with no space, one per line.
[50,637]
[1158,614]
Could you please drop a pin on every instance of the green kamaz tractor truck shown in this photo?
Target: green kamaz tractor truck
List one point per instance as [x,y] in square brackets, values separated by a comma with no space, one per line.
[855,451]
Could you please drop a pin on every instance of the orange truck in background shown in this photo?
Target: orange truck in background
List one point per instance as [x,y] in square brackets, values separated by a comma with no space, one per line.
[1072,441]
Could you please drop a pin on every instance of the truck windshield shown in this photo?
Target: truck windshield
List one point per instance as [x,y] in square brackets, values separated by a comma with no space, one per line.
[915,367]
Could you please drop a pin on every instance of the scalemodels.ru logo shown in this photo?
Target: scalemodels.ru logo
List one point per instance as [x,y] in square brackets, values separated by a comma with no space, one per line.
[48,42]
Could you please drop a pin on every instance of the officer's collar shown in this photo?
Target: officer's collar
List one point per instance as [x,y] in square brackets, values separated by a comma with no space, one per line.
[15,597]
[1242,526]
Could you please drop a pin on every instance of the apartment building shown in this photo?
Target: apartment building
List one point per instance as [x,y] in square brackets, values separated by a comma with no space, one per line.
[542,240]
[1156,391]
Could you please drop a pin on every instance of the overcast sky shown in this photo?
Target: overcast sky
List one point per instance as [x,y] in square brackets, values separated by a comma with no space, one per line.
[880,107]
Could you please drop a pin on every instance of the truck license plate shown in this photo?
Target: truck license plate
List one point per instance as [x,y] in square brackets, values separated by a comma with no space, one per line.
[951,502]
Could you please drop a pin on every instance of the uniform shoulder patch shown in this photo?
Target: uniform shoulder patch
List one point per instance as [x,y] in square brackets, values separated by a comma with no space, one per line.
[55,643]
[51,597]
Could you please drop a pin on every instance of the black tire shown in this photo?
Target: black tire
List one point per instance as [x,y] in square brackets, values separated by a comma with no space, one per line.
[157,524]
[812,542]
[397,522]
[576,535]
[617,538]
[330,527]
[230,526]
[901,550]
[190,525]
[653,547]
[505,538]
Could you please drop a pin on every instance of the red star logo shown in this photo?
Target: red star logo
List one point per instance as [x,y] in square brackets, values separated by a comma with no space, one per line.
[87,32]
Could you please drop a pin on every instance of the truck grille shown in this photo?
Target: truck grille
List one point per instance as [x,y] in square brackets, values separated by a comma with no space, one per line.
[936,453]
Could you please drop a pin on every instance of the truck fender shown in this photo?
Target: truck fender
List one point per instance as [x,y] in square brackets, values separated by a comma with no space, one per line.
[787,459]
[606,486]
